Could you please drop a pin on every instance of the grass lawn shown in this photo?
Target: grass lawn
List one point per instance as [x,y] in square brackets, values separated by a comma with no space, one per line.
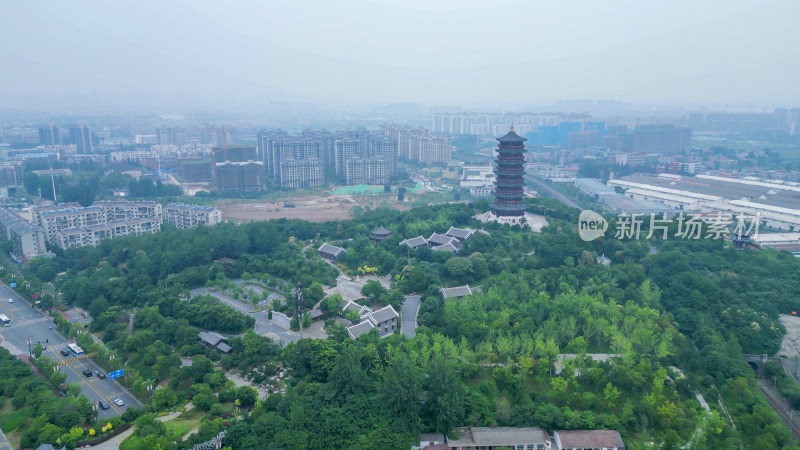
[10,421]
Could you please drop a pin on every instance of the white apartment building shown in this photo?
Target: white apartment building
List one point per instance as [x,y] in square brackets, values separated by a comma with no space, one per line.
[70,225]
[185,216]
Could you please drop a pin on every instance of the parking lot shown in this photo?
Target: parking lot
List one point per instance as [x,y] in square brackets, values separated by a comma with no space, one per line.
[30,326]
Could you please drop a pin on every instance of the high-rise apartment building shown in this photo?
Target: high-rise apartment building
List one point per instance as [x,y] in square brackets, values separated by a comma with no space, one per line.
[430,149]
[366,171]
[301,173]
[49,135]
[171,136]
[81,136]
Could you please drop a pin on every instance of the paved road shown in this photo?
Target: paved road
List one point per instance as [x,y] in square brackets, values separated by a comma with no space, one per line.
[29,324]
[557,195]
[409,315]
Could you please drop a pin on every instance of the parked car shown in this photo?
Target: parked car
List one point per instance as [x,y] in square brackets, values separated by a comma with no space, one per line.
[87,373]
[119,402]
[104,404]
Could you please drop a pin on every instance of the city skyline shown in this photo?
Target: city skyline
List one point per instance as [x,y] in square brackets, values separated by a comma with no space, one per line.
[445,53]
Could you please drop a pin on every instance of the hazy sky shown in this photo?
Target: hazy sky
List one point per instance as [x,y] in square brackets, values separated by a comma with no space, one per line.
[431,51]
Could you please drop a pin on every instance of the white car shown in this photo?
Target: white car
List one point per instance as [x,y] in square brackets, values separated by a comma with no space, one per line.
[11,300]
[118,402]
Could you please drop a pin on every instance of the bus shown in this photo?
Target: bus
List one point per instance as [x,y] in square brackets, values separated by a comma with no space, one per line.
[75,350]
[6,321]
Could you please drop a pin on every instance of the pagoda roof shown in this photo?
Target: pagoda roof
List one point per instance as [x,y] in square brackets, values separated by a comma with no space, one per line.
[381,231]
[511,136]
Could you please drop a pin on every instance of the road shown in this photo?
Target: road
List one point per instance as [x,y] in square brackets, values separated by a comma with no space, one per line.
[557,195]
[409,312]
[29,324]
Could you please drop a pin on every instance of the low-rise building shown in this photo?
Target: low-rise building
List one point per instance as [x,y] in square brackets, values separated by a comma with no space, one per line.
[588,439]
[461,234]
[488,438]
[384,320]
[436,240]
[330,252]
[415,243]
[458,292]
[185,216]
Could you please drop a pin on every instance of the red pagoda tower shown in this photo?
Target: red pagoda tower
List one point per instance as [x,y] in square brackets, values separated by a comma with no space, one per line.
[509,171]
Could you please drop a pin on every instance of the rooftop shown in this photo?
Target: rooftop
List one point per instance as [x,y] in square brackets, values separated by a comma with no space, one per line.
[418,241]
[210,338]
[331,249]
[589,439]
[359,329]
[511,136]
[384,314]
[498,436]
[459,291]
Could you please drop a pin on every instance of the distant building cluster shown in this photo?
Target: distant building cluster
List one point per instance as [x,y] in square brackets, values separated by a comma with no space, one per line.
[776,202]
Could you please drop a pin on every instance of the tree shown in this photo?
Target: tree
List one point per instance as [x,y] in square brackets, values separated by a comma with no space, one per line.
[31,183]
[373,290]
[37,350]
[247,395]
[445,407]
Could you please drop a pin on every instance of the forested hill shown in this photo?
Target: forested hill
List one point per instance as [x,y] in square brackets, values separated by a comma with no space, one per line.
[673,317]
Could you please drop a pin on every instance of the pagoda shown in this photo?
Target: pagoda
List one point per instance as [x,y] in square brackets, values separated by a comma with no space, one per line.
[509,171]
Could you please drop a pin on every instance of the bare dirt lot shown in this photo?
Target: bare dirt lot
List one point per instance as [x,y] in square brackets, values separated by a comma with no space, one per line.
[312,209]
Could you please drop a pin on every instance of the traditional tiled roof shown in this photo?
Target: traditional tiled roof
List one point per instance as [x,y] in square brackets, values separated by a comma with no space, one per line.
[459,291]
[449,247]
[357,330]
[384,314]
[331,249]
[418,241]
[511,137]
[440,239]
[381,232]
[460,233]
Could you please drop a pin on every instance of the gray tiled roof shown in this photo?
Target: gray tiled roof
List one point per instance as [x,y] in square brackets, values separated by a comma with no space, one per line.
[331,249]
[459,233]
[449,247]
[210,338]
[440,239]
[499,436]
[418,241]
[459,291]
[384,314]
[511,137]
[224,348]
[381,231]
[357,330]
